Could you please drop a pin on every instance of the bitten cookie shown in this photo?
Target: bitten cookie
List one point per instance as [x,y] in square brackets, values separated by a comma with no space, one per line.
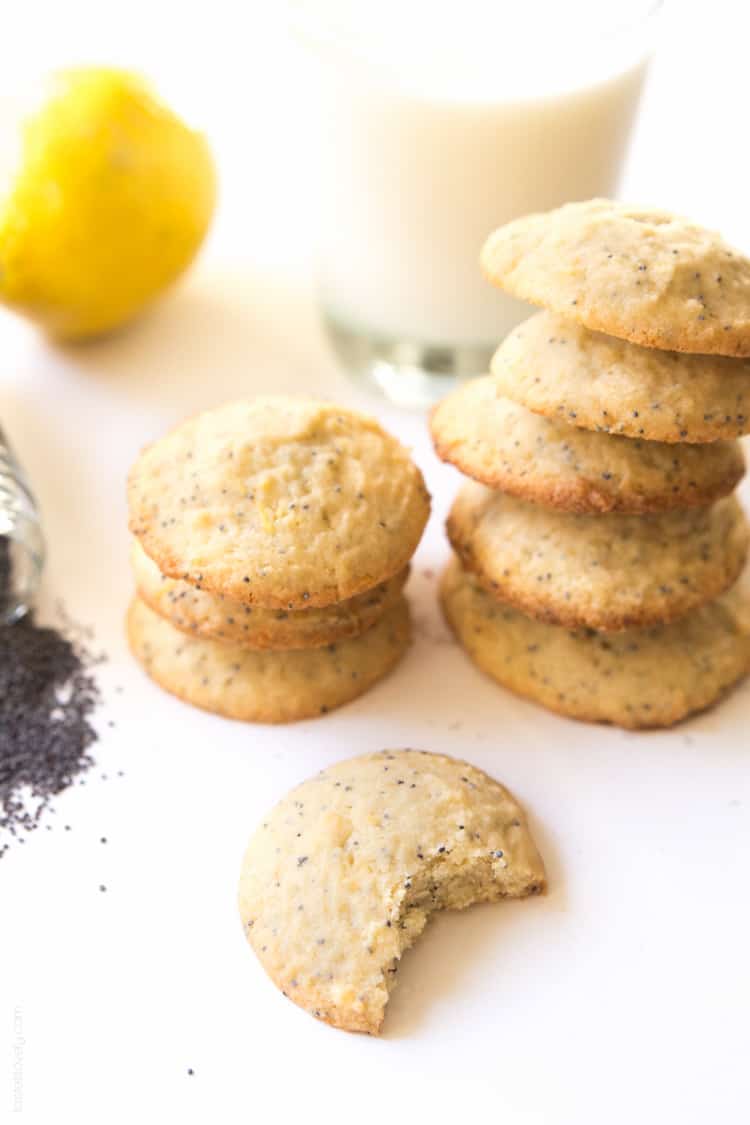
[344,873]
[556,368]
[212,616]
[265,687]
[279,502]
[641,678]
[644,275]
[546,461]
[607,572]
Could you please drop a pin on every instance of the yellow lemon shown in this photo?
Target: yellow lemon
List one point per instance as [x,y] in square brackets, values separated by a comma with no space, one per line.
[112,199]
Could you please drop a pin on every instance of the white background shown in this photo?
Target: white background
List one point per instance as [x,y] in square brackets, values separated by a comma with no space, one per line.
[621,996]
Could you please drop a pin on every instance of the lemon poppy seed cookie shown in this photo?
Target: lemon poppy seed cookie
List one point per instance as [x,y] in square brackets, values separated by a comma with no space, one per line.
[559,369]
[213,616]
[652,677]
[644,275]
[546,461]
[278,502]
[605,572]
[265,687]
[342,876]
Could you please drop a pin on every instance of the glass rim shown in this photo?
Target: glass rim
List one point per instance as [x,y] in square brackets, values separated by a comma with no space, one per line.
[315,29]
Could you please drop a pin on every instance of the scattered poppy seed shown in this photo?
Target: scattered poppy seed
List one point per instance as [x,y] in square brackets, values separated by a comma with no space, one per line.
[47,695]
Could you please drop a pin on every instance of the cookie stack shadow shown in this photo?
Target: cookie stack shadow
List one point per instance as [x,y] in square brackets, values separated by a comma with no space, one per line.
[271,546]
[600,554]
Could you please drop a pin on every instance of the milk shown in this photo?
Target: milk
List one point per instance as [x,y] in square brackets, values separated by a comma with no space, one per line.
[423,153]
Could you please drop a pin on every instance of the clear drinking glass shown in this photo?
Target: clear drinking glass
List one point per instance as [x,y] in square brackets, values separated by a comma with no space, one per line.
[439,123]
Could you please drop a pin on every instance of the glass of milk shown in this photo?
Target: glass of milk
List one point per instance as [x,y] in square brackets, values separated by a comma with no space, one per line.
[441,121]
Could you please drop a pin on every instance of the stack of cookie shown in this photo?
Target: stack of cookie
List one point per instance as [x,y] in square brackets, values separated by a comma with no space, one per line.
[272,541]
[601,553]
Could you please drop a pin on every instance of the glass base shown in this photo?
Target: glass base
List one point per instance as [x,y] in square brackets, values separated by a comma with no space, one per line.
[409,373]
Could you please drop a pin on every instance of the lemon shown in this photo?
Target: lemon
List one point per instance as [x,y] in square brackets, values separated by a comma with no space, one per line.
[111,201]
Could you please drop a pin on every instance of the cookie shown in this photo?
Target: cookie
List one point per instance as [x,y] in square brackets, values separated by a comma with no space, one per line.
[640,678]
[546,461]
[279,502]
[556,368]
[644,275]
[344,873]
[603,572]
[213,616]
[265,687]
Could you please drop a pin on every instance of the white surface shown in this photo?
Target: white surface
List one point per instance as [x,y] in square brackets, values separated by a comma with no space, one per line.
[622,996]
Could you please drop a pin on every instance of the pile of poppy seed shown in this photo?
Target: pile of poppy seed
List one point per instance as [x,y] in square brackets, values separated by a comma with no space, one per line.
[47,697]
